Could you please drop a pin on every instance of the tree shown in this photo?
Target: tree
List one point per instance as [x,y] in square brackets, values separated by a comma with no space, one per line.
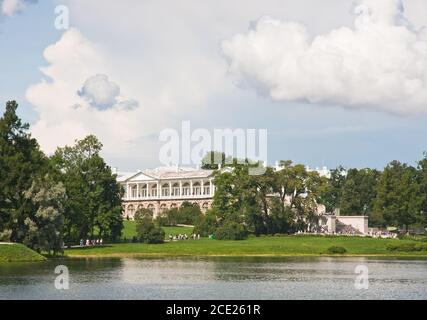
[93,194]
[21,161]
[422,169]
[45,223]
[398,199]
[359,191]
[331,195]
[146,229]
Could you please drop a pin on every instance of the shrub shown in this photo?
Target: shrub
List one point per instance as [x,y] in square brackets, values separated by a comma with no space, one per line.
[206,225]
[148,232]
[231,231]
[336,250]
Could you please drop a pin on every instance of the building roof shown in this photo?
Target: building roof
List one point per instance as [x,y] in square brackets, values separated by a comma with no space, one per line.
[164,173]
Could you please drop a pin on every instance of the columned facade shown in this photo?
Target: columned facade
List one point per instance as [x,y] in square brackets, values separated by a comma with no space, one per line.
[166,188]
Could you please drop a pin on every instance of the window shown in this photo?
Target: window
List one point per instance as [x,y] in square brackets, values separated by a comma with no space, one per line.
[154,191]
[175,189]
[165,190]
[144,191]
[186,189]
[207,188]
[197,189]
[134,191]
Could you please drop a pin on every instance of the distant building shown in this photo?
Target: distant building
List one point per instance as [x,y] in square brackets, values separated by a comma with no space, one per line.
[166,188]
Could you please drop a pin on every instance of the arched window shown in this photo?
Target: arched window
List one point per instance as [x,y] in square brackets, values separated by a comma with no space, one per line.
[134,192]
[175,189]
[165,190]
[144,191]
[154,190]
[207,188]
[186,189]
[140,206]
[197,189]
[174,206]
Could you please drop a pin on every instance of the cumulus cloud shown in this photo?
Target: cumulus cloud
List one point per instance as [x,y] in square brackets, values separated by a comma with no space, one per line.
[100,91]
[380,63]
[10,7]
[76,98]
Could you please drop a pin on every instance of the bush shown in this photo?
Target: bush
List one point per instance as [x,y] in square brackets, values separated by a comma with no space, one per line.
[148,232]
[337,250]
[206,225]
[231,231]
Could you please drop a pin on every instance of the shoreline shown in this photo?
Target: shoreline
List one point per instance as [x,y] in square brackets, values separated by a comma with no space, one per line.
[255,255]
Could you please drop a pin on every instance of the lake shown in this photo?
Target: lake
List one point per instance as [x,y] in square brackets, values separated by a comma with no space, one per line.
[217,278]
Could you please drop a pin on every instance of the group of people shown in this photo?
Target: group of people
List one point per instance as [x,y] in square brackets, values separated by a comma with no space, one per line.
[89,243]
[179,237]
[382,234]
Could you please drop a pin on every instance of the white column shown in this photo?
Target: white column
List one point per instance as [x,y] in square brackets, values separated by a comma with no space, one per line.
[180,188]
[148,190]
[202,187]
[170,189]
[137,191]
[158,189]
[210,187]
[127,191]
[191,188]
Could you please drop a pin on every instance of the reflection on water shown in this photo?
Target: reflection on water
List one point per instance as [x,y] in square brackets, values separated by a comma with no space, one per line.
[217,278]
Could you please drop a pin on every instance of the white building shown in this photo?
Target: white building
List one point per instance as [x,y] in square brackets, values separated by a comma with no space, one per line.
[166,188]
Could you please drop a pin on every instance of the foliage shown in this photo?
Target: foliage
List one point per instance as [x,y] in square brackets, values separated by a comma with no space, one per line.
[45,223]
[336,250]
[231,231]
[21,161]
[188,214]
[359,192]
[331,195]
[207,224]
[93,194]
[281,201]
[146,230]
[399,199]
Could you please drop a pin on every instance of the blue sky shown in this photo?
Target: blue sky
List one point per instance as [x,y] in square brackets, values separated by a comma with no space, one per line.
[158,69]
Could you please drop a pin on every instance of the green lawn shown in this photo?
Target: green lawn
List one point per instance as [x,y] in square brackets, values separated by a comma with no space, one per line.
[18,253]
[129,230]
[273,246]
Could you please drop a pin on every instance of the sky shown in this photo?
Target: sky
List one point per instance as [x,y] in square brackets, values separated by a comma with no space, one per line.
[335,82]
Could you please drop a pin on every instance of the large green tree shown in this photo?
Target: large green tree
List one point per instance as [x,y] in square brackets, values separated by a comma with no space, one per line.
[21,161]
[399,196]
[93,203]
[359,191]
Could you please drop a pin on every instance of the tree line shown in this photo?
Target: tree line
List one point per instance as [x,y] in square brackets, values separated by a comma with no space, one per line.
[46,201]
[286,201]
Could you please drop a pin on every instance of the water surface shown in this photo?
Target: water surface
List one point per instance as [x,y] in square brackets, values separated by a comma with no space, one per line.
[217,278]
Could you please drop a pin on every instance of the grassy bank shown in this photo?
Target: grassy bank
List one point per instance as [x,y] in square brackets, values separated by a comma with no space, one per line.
[262,246]
[18,253]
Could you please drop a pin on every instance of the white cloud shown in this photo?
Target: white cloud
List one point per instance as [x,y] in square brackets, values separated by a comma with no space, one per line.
[10,7]
[381,63]
[66,115]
